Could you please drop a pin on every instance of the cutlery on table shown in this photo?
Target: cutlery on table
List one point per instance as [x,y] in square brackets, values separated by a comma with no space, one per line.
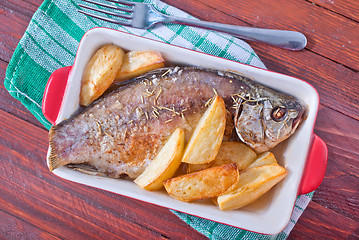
[144,15]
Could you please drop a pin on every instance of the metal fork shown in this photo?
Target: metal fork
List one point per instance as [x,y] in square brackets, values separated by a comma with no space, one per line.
[143,15]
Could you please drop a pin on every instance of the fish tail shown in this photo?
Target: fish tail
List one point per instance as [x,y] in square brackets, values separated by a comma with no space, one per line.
[53,161]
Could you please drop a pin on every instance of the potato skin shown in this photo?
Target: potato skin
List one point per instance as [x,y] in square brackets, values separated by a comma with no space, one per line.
[100,72]
[136,63]
[229,152]
[165,163]
[252,184]
[262,159]
[208,183]
[206,139]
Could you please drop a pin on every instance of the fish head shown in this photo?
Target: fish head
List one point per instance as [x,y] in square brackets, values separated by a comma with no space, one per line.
[264,122]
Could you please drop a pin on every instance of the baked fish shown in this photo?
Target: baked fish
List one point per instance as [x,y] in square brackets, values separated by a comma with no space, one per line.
[120,133]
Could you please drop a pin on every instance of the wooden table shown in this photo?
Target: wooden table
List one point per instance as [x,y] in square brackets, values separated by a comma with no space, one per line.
[35,204]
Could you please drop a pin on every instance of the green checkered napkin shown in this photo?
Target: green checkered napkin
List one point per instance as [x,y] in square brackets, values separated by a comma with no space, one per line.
[51,40]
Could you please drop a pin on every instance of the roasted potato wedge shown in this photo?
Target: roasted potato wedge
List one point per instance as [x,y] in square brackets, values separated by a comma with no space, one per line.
[203,184]
[229,152]
[263,159]
[100,72]
[252,184]
[165,163]
[136,63]
[190,168]
[207,137]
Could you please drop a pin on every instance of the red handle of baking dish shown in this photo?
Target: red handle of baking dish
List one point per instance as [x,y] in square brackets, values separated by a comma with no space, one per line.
[54,93]
[315,166]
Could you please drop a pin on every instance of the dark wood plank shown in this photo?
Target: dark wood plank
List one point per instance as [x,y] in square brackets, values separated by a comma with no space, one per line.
[336,84]
[318,222]
[65,217]
[15,17]
[329,34]
[14,20]
[339,190]
[329,63]
[10,105]
[12,227]
[31,192]
[290,63]
[25,193]
[347,8]
[67,196]
[24,7]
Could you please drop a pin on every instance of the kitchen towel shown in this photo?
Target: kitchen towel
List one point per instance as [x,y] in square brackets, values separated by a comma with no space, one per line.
[51,40]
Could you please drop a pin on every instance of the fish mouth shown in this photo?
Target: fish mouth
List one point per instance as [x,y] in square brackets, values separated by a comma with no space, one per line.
[299,118]
[297,121]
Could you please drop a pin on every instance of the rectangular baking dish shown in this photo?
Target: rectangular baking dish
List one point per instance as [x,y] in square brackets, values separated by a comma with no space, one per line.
[304,154]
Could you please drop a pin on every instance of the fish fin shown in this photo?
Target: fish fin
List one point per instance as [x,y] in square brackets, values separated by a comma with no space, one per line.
[86,169]
[53,161]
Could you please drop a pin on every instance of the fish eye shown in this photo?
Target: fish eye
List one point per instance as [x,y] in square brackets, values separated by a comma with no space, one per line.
[279,113]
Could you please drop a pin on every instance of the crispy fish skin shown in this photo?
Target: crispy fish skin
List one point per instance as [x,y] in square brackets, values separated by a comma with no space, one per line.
[121,132]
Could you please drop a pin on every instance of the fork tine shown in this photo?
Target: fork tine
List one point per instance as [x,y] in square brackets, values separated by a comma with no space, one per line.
[125,9]
[122,2]
[107,19]
[127,16]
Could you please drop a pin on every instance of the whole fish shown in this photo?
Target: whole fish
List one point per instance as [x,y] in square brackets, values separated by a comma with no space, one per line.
[120,133]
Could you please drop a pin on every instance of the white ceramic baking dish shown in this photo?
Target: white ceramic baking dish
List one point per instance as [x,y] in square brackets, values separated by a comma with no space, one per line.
[304,155]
